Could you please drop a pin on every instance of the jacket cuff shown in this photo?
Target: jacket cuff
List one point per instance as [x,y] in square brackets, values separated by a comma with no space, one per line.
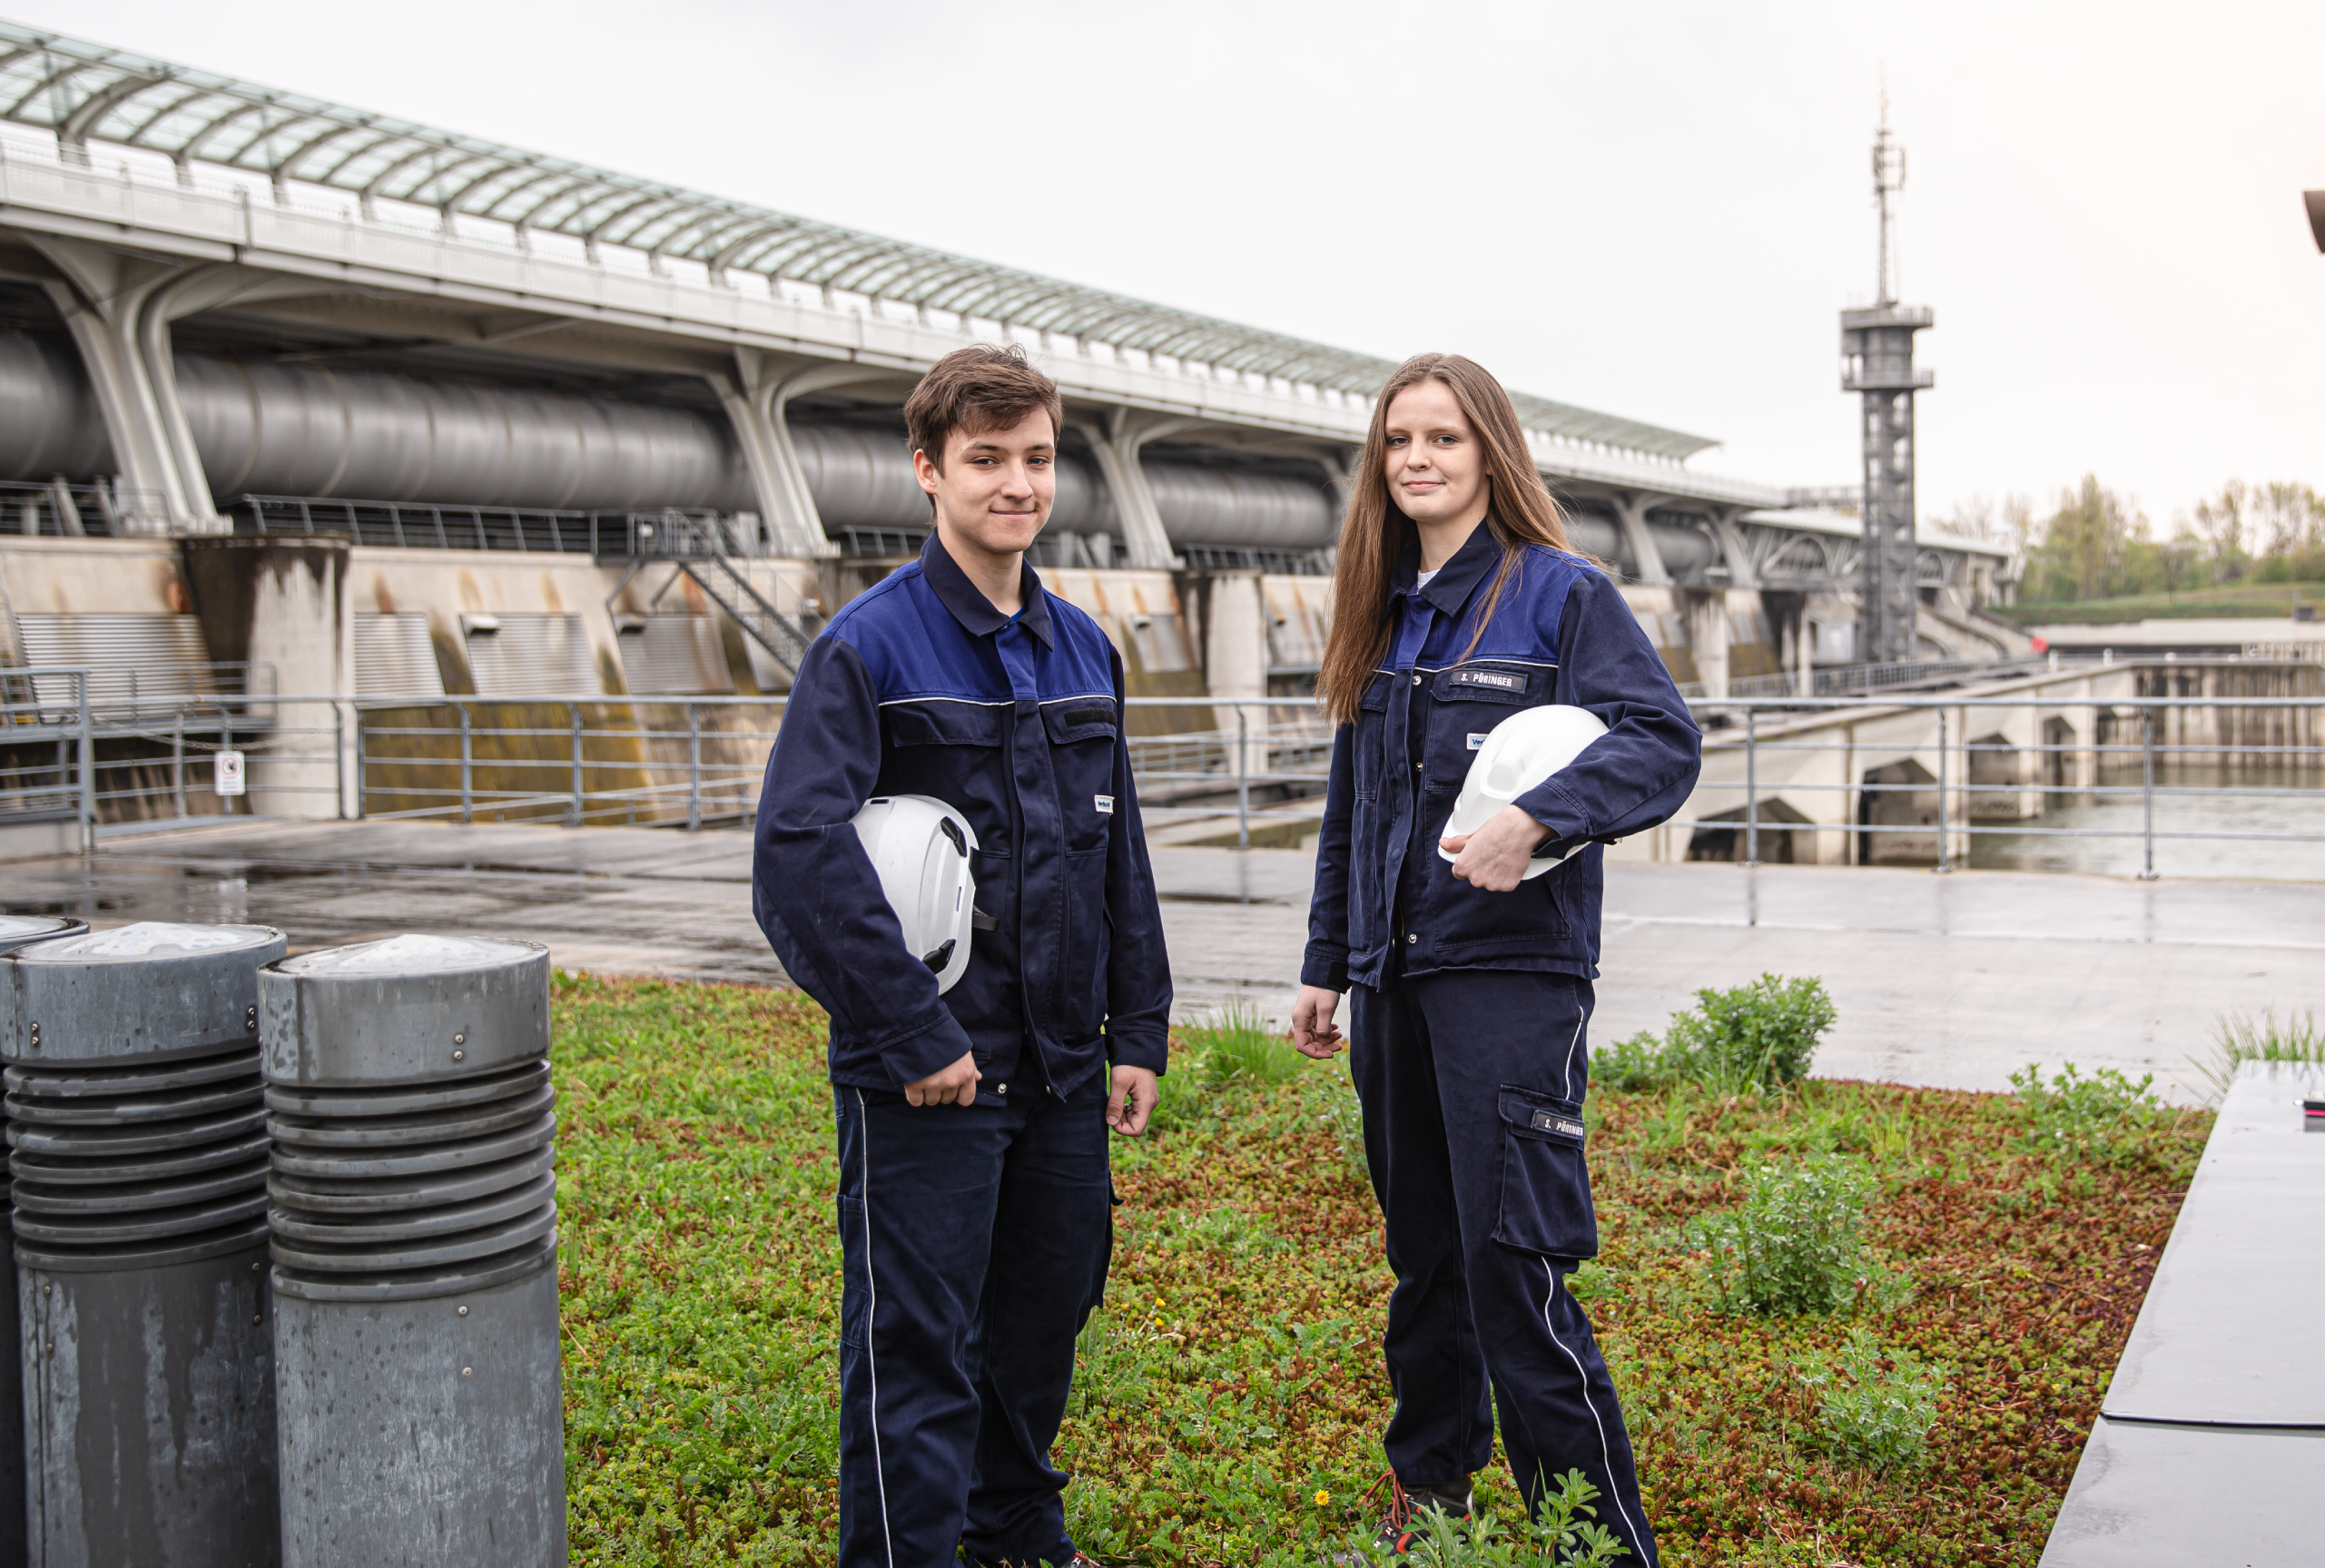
[1551,805]
[934,1047]
[1325,967]
[1146,1049]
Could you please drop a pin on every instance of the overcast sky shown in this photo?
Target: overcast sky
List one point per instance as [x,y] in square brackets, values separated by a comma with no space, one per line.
[1655,210]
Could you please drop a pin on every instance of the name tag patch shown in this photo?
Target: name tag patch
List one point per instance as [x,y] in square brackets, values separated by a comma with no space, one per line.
[1477,741]
[1551,1121]
[1105,804]
[1496,679]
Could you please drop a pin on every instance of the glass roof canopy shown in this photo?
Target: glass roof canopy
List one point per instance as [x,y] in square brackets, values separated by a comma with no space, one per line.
[83,92]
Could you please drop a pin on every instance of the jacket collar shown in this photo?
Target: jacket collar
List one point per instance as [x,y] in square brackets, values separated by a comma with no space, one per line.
[1450,589]
[968,603]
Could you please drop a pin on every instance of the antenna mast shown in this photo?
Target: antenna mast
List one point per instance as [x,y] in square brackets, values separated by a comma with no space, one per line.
[1888,179]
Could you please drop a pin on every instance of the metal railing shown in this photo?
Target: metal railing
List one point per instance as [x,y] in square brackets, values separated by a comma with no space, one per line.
[2073,752]
[118,694]
[106,747]
[533,530]
[34,788]
[1844,680]
[62,509]
[1918,778]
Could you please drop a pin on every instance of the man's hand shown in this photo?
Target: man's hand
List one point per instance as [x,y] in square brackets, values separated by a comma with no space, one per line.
[1134,1097]
[1312,1031]
[954,1085]
[1494,858]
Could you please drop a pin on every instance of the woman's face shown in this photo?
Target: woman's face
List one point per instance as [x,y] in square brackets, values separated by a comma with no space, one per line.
[1435,466]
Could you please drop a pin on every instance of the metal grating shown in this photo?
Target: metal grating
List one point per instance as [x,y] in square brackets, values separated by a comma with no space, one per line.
[532,654]
[137,662]
[674,656]
[394,658]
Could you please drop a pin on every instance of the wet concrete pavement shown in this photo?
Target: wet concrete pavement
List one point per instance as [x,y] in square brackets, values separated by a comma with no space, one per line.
[1943,979]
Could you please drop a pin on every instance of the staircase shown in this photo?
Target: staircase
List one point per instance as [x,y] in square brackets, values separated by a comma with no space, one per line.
[785,637]
[696,545]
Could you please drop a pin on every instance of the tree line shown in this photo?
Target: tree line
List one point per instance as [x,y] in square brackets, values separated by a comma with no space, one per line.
[2096,544]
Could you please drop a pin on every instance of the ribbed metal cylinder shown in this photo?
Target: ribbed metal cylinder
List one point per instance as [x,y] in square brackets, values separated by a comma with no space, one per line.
[137,1145]
[414,1216]
[17,931]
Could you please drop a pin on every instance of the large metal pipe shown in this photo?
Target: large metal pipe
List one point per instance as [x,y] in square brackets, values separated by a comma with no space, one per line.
[272,428]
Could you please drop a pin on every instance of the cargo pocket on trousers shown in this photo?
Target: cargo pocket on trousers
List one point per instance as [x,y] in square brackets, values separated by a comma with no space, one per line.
[1545,1182]
[855,1293]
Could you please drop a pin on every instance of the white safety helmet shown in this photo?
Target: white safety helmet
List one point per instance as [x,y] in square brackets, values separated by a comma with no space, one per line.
[919,847]
[1523,751]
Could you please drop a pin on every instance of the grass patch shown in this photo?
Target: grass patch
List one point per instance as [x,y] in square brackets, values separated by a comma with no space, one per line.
[1231,1398]
[2237,1040]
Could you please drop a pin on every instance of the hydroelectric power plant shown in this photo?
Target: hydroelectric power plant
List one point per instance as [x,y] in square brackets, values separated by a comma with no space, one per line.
[443,383]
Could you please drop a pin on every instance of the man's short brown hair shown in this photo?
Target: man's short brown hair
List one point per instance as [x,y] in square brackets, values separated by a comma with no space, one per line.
[976,390]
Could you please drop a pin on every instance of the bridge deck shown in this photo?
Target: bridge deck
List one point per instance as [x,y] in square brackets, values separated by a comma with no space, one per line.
[1951,981]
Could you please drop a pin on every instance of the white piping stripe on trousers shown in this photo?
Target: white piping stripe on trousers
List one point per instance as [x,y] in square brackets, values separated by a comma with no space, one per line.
[1580,1017]
[1606,1455]
[870,1319]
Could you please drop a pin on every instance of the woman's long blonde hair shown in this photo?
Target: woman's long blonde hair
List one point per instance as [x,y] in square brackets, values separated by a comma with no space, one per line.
[1520,511]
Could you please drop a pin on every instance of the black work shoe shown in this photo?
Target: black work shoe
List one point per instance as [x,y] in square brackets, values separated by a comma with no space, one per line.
[1403,1520]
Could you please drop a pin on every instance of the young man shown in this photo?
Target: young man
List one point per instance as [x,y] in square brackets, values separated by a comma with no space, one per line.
[975,1206]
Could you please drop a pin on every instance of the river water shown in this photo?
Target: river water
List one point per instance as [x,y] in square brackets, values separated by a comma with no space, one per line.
[2282,801]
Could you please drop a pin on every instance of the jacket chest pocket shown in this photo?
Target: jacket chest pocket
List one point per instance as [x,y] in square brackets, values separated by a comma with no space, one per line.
[1465,705]
[952,751]
[1082,733]
[1372,725]
[1545,1181]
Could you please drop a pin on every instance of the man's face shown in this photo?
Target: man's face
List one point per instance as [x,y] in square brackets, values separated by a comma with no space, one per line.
[996,486]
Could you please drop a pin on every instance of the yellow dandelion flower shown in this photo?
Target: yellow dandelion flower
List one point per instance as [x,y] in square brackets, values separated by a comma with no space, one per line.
[1322,1499]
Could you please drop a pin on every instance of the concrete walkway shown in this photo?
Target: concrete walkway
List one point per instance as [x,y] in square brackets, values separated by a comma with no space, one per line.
[1940,980]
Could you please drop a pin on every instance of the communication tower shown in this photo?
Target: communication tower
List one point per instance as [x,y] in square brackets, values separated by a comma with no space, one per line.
[1877,361]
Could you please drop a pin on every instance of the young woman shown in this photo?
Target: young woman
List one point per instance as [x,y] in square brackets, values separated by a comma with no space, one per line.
[1458,602]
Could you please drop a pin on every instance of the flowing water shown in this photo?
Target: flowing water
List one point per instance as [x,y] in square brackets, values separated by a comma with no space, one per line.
[2272,800]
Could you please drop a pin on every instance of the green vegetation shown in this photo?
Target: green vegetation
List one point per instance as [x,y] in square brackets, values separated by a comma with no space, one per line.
[2237,1040]
[2104,1118]
[1752,1039]
[1875,1405]
[1798,1244]
[2098,544]
[1566,1534]
[2228,601]
[1230,1398]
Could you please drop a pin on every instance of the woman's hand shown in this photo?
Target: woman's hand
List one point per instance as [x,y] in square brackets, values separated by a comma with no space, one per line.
[1494,858]
[1312,1031]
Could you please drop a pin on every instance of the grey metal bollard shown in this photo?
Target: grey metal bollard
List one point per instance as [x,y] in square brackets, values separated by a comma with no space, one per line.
[415,1254]
[17,931]
[138,1149]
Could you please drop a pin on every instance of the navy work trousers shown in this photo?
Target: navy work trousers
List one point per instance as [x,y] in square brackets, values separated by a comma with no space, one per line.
[973,1244]
[1472,1082]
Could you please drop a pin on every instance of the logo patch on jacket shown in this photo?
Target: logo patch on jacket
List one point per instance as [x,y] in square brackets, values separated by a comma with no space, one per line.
[1496,679]
[1105,804]
[1477,741]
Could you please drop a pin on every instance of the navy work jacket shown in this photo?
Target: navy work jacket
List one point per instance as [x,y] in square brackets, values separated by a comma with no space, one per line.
[1385,903]
[918,686]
